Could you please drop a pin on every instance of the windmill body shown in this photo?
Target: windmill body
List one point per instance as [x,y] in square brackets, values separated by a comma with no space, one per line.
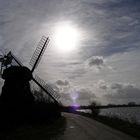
[16,89]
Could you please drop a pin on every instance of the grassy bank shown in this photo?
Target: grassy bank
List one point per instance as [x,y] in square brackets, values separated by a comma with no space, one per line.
[129,127]
[39,131]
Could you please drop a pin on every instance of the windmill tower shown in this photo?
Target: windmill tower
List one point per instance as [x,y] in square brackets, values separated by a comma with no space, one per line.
[16,90]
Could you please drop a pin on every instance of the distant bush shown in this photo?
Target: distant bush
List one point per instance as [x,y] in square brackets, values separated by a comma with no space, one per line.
[131,103]
[95,111]
[40,96]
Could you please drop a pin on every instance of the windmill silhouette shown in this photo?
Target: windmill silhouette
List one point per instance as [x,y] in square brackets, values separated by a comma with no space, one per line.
[21,75]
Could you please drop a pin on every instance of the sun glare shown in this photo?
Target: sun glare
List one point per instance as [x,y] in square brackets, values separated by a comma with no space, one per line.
[66,37]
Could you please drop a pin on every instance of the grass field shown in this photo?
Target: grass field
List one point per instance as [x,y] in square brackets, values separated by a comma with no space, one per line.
[47,130]
[131,128]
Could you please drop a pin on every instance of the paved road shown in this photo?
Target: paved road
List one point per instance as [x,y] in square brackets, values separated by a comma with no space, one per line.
[83,128]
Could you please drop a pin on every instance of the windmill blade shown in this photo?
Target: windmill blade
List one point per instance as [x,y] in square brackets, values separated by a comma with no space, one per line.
[41,83]
[47,87]
[39,52]
[51,90]
[16,59]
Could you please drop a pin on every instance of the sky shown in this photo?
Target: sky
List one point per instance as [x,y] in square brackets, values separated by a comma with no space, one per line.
[103,64]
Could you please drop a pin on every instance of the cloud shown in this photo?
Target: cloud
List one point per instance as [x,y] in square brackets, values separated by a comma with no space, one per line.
[115,25]
[85,94]
[96,61]
[123,91]
[62,83]
[117,92]
[75,95]
[102,84]
[111,34]
[1,41]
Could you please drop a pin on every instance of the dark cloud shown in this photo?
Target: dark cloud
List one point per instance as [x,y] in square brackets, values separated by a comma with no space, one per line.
[96,61]
[115,26]
[62,83]
[120,90]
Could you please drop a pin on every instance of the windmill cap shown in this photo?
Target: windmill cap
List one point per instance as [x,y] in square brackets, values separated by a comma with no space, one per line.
[17,73]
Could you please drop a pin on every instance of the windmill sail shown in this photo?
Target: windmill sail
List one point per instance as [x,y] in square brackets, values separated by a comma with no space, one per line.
[39,52]
[15,59]
[52,91]
[46,88]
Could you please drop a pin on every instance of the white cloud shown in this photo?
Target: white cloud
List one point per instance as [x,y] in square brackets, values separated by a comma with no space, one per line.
[102,84]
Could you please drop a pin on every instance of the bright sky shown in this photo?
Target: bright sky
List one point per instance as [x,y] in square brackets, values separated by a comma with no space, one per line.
[94,46]
[66,37]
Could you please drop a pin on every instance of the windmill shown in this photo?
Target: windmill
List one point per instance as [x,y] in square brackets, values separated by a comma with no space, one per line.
[7,60]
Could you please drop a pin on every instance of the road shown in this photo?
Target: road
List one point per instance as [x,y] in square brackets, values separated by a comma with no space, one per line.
[83,128]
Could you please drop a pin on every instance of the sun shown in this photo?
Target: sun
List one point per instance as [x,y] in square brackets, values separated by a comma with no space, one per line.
[66,37]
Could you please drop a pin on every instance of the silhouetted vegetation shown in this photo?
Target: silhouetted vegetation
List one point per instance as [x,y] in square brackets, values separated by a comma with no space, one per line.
[132,103]
[48,129]
[94,111]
